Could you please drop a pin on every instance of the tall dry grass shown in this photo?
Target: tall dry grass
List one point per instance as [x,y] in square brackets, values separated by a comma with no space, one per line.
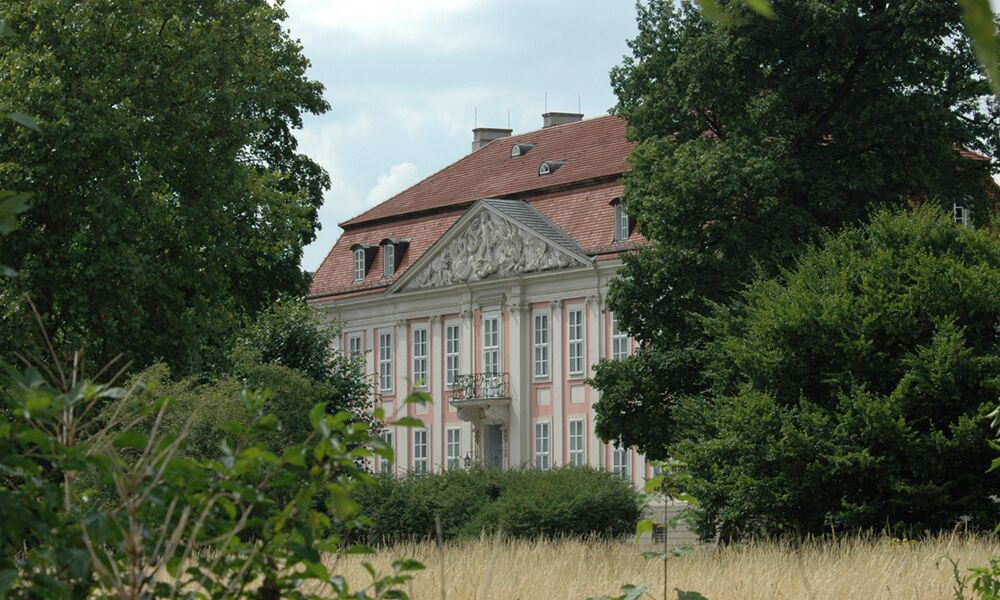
[873,567]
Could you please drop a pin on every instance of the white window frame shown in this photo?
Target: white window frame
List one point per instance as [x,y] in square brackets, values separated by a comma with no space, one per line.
[452,353]
[575,336]
[577,443]
[621,462]
[453,448]
[620,346]
[543,441]
[385,375]
[962,215]
[421,358]
[388,260]
[491,345]
[359,264]
[355,346]
[541,338]
[420,463]
[622,226]
[385,465]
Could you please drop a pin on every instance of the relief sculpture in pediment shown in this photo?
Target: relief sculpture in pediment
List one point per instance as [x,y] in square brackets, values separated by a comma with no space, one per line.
[491,246]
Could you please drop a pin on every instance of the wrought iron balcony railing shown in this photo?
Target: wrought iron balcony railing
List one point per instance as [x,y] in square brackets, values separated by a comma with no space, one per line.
[481,386]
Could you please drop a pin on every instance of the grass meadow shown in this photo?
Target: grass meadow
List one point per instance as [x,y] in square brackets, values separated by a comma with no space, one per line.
[872,567]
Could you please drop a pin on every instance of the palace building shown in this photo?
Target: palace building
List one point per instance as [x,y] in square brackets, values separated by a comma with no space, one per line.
[484,285]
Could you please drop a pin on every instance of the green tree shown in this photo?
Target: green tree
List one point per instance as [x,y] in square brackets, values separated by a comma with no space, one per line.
[168,193]
[853,390]
[753,136]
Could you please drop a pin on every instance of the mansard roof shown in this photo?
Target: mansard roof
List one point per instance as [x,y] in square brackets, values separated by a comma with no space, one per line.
[569,208]
[591,149]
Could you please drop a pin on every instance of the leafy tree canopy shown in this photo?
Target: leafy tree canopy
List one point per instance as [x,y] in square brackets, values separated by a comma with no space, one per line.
[753,136]
[168,193]
[852,391]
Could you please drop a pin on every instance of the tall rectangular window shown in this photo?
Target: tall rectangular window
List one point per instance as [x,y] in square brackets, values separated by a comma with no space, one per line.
[622,228]
[963,215]
[542,445]
[385,362]
[619,340]
[491,345]
[576,342]
[453,447]
[355,350]
[577,457]
[452,340]
[385,465]
[420,450]
[420,357]
[359,264]
[541,346]
[621,463]
[389,261]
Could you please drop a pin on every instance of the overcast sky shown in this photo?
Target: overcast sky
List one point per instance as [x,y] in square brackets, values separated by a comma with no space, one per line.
[405,79]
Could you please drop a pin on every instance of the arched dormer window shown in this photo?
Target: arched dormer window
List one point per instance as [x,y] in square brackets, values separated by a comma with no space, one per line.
[549,166]
[520,149]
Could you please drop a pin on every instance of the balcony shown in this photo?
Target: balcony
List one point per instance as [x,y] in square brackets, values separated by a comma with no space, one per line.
[479,389]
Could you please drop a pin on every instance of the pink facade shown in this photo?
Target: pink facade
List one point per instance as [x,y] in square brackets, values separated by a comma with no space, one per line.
[493,274]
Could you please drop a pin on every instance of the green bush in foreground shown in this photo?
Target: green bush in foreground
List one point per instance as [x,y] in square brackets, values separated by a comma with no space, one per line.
[524,503]
[853,391]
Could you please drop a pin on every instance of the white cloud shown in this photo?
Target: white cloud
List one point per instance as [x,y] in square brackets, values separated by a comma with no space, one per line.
[389,184]
[372,20]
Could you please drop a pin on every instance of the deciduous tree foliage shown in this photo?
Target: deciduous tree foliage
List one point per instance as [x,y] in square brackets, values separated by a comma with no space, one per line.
[169,195]
[754,136]
[852,391]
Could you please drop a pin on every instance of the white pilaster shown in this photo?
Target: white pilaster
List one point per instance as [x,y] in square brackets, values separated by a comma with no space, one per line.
[400,371]
[465,362]
[595,351]
[519,381]
[436,374]
[558,375]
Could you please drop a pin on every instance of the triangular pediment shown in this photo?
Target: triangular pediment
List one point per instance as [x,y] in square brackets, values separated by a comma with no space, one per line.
[494,239]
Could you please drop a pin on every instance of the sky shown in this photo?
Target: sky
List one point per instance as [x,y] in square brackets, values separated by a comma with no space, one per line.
[408,80]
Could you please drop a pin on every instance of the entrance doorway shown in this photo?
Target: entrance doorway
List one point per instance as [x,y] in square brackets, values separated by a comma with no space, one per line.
[493,446]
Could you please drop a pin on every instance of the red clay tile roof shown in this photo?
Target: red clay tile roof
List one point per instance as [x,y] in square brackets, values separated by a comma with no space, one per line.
[577,198]
[336,274]
[592,149]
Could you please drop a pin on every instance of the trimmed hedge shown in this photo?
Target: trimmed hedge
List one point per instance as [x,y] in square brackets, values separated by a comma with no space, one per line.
[526,503]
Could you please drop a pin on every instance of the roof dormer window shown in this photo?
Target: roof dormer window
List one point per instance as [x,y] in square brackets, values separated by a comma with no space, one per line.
[623,224]
[549,166]
[392,253]
[359,264]
[362,255]
[622,228]
[388,260]
[520,149]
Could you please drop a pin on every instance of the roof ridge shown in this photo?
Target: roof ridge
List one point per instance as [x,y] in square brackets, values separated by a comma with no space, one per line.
[468,156]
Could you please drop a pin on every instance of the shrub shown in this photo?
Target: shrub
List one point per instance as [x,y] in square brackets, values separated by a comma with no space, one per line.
[177,526]
[852,392]
[523,503]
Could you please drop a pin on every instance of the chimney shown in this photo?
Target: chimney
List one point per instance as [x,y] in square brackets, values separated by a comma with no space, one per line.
[551,119]
[484,135]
